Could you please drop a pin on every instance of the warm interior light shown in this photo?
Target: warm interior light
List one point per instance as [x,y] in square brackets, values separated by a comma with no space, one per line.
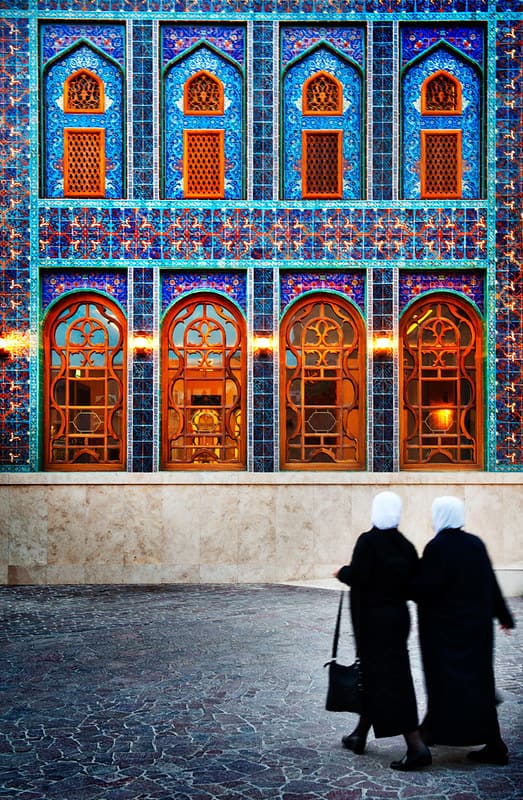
[441,419]
[263,344]
[141,343]
[12,344]
[383,343]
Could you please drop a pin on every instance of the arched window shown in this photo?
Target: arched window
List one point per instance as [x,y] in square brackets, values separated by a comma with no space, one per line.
[441,94]
[84,384]
[323,385]
[322,94]
[441,394]
[203,94]
[83,93]
[203,385]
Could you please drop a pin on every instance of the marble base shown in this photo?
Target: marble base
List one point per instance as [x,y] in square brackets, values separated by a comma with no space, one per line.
[114,528]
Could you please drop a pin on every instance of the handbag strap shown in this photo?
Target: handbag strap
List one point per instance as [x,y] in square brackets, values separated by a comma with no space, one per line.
[337,628]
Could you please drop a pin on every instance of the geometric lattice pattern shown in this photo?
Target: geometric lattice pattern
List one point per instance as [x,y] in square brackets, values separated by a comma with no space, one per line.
[323,95]
[322,162]
[204,159]
[441,162]
[84,163]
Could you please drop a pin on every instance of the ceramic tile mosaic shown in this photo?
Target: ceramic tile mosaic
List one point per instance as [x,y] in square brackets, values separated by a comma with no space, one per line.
[256,247]
[15,399]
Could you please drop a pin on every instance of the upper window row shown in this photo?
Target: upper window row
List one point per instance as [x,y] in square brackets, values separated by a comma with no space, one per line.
[204,131]
[203,384]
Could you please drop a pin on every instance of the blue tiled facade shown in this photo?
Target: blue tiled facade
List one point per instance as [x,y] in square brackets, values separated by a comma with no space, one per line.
[262,246]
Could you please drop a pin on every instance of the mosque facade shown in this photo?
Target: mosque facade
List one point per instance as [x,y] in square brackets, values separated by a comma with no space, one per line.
[258,260]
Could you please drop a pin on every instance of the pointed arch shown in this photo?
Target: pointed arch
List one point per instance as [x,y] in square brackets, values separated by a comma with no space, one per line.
[322,95]
[441,93]
[84,93]
[203,94]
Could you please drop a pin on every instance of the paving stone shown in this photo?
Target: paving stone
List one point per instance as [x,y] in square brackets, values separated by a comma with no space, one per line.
[207,693]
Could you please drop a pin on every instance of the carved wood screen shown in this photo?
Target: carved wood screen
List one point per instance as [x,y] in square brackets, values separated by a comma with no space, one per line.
[323,386]
[203,380]
[83,93]
[84,385]
[203,94]
[441,94]
[322,95]
[441,393]
[84,162]
[204,164]
[322,164]
[441,164]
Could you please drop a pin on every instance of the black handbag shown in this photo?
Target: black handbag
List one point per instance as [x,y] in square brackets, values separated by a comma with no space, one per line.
[344,691]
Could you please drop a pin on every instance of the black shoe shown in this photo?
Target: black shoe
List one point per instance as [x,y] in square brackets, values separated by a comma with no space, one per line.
[490,755]
[354,742]
[414,761]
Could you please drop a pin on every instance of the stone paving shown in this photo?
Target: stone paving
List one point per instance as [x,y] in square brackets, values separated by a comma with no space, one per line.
[204,692]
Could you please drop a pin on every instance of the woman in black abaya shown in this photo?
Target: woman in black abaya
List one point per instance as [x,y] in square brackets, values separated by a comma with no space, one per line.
[383,563]
[458,596]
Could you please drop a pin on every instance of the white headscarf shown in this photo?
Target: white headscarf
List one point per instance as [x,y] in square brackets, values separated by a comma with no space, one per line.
[386,510]
[447,512]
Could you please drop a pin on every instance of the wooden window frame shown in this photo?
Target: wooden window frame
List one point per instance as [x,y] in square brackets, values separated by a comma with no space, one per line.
[220,134]
[187,111]
[452,438]
[322,196]
[99,81]
[55,318]
[346,375]
[101,163]
[311,113]
[441,113]
[425,134]
[191,441]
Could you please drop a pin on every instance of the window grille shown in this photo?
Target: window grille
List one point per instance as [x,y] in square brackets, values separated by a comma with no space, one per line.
[83,93]
[323,386]
[441,164]
[84,367]
[84,162]
[203,94]
[322,163]
[204,163]
[203,380]
[441,371]
[322,94]
[441,94]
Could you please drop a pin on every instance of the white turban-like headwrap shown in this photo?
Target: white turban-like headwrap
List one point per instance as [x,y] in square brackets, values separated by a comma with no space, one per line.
[386,510]
[447,512]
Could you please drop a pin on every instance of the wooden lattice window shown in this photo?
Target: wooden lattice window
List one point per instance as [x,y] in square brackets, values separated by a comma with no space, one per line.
[83,93]
[84,162]
[322,164]
[85,379]
[441,392]
[203,163]
[441,164]
[441,94]
[203,385]
[322,415]
[322,95]
[203,94]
